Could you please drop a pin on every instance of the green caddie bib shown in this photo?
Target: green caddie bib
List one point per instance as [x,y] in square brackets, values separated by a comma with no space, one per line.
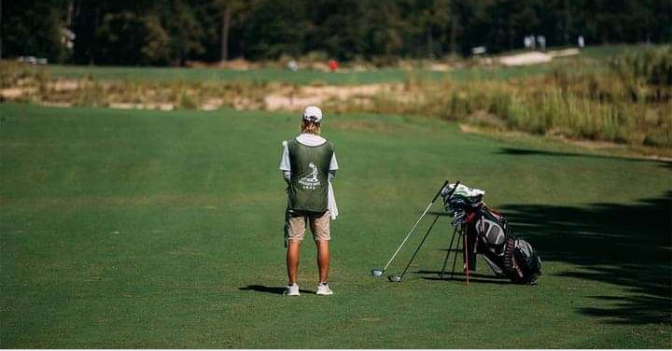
[308,185]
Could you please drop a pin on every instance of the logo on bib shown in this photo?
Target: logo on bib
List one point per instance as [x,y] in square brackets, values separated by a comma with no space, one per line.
[310,182]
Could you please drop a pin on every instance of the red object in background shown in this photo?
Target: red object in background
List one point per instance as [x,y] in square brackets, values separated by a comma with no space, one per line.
[333,65]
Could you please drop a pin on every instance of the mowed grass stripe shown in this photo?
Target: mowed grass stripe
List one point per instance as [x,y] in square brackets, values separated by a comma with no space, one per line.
[139,229]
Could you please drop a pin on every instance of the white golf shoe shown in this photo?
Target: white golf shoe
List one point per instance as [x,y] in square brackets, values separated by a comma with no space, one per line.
[323,289]
[292,290]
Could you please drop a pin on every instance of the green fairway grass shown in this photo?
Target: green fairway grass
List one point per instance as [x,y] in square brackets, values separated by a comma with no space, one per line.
[590,60]
[145,229]
[341,77]
[302,77]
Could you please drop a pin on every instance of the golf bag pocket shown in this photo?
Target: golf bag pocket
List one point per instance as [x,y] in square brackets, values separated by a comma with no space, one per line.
[492,229]
[527,259]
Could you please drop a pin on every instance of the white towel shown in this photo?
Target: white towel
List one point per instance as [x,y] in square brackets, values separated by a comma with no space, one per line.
[331,199]
[466,191]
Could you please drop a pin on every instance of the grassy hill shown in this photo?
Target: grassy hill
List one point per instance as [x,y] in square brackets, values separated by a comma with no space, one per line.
[144,229]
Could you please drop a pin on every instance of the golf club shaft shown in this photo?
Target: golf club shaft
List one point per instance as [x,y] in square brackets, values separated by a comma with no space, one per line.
[419,246]
[416,224]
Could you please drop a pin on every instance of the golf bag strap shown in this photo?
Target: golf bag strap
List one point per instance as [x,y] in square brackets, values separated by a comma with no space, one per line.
[510,265]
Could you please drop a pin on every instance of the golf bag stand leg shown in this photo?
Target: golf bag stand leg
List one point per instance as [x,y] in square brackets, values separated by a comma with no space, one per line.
[419,246]
[465,249]
[460,232]
[450,249]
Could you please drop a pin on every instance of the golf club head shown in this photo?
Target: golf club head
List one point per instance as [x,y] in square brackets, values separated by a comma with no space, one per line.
[377,272]
[394,279]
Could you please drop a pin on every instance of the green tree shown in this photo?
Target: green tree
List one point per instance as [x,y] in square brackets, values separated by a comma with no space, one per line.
[227,8]
[337,27]
[274,28]
[34,28]
[384,30]
[183,29]
[426,26]
[129,39]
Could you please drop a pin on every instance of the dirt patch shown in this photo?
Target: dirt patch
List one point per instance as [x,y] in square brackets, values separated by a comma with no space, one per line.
[56,104]
[236,65]
[142,106]
[64,85]
[297,99]
[211,104]
[364,126]
[16,93]
[439,67]
[485,118]
[564,53]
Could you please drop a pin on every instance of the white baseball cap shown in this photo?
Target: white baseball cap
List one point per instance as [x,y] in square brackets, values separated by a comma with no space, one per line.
[312,113]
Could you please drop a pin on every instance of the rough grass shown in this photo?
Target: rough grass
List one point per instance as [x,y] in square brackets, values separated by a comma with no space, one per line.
[617,94]
[628,101]
[144,229]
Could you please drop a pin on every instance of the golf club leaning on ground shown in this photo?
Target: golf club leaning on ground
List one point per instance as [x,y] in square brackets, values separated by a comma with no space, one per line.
[376,272]
[400,278]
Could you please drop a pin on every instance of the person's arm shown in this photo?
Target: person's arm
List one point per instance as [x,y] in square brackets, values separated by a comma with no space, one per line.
[333,167]
[285,166]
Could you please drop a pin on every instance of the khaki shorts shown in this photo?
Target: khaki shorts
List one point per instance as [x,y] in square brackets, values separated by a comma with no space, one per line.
[295,225]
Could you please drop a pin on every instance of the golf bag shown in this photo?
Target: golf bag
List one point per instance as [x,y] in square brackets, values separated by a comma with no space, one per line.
[488,233]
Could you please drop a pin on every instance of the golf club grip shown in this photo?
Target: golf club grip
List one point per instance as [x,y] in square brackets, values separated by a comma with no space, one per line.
[441,189]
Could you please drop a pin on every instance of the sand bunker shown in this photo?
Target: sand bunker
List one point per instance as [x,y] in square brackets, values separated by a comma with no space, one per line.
[295,100]
[528,58]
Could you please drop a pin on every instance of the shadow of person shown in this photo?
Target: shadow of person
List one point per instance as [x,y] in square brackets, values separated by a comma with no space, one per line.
[277,290]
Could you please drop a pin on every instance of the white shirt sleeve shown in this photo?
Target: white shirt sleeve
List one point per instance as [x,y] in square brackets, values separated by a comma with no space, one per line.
[333,165]
[284,162]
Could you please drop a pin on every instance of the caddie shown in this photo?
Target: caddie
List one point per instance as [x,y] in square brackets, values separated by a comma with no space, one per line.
[308,166]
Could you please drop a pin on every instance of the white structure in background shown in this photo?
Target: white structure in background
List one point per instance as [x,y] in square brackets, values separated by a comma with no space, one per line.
[541,40]
[479,50]
[33,60]
[68,38]
[581,42]
[292,66]
[531,40]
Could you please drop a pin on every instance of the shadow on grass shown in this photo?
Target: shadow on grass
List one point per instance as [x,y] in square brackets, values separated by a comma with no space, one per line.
[627,245]
[527,152]
[461,277]
[276,290]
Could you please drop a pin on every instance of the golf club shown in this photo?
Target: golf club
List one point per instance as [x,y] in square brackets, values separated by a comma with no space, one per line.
[395,278]
[400,278]
[376,272]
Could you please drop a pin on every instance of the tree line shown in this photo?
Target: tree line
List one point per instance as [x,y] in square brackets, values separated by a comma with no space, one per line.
[171,32]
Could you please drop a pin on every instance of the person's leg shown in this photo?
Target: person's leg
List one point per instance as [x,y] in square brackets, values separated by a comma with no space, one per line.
[293,251]
[323,259]
[322,235]
[296,228]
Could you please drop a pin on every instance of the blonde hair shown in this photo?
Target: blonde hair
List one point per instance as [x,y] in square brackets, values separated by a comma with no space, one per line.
[310,127]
